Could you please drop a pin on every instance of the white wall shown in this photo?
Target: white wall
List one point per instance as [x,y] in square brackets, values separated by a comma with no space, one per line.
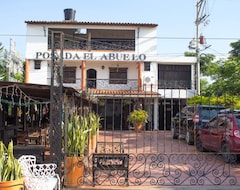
[39,76]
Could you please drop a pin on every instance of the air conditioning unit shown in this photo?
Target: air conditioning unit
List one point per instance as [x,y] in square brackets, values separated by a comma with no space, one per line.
[148,79]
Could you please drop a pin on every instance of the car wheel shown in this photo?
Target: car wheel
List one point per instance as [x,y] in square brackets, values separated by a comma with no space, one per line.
[227,156]
[174,133]
[188,138]
[199,145]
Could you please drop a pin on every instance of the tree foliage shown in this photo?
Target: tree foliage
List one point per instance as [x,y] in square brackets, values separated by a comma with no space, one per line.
[225,73]
[2,64]
[205,60]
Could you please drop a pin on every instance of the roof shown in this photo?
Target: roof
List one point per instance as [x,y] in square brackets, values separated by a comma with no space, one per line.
[35,91]
[91,23]
[123,93]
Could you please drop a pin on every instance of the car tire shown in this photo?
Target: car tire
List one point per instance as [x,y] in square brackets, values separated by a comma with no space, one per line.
[228,157]
[174,133]
[188,138]
[199,145]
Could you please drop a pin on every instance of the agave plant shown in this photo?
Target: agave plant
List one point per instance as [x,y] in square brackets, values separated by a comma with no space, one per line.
[94,122]
[10,168]
[77,135]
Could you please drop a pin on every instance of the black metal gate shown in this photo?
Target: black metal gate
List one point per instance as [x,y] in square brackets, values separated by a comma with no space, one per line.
[155,157]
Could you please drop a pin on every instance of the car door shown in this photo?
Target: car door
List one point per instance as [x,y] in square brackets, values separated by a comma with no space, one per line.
[217,132]
[208,132]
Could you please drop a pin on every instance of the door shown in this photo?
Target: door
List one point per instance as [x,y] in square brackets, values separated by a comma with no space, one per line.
[91,78]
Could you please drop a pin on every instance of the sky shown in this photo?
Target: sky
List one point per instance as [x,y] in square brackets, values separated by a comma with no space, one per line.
[175,19]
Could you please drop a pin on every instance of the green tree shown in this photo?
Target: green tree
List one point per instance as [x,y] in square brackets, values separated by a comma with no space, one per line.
[205,60]
[225,73]
[2,64]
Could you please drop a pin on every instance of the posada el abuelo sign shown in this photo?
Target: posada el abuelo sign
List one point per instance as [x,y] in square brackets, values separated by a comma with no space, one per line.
[93,56]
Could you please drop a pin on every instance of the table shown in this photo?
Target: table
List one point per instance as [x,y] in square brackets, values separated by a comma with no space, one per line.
[36,150]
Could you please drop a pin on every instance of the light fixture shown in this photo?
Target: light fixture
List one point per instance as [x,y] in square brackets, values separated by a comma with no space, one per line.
[103,67]
[81,31]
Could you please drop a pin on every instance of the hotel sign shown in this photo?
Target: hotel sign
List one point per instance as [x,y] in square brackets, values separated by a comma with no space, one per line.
[94,56]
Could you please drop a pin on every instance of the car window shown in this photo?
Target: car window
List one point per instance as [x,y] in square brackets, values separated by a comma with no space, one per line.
[188,111]
[222,122]
[207,113]
[213,123]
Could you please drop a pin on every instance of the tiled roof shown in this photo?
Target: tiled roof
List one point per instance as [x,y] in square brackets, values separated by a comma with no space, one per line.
[67,22]
[125,93]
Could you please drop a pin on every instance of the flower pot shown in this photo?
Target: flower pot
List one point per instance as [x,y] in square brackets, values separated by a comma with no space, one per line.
[12,185]
[93,142]
[74,172]
[138,127]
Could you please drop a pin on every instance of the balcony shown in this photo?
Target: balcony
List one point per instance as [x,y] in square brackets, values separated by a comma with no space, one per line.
[95,39]
[97,44]
[128,84]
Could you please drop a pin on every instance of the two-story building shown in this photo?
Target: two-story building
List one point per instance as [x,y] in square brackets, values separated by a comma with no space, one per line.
[116,62]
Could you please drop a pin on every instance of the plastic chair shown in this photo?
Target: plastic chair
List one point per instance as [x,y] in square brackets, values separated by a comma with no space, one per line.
[39,176]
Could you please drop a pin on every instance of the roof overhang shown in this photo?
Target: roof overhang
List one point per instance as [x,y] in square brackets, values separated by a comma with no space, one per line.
[114,93]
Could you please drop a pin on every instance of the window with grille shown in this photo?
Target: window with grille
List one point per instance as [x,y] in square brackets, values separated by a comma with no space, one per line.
[37,64]
[69,74]
[117,75]
[174,76]
[147,66]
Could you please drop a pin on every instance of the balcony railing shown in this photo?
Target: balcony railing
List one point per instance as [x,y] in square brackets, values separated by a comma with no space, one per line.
[174,84]
[96,44]
[130,84]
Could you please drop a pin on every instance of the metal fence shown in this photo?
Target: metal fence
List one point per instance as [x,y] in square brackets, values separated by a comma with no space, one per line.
[155,157]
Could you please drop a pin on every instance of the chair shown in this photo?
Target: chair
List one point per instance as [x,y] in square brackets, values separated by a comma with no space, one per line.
[39,176]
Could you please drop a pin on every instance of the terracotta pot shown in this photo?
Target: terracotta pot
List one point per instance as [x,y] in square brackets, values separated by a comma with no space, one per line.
[138,127]
[74,172]
[12,185]
[93,142]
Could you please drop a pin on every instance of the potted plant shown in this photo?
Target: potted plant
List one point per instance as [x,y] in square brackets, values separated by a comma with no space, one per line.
[10,169]
[138,117]
[77,138]
[94,126]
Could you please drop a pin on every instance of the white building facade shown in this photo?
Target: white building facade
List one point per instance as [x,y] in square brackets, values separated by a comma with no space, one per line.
[115,61]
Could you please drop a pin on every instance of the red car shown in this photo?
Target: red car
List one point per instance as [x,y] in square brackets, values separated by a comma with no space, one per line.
[221,134]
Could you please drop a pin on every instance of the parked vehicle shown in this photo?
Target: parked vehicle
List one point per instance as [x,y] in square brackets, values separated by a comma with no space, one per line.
[183,124]
[221,134]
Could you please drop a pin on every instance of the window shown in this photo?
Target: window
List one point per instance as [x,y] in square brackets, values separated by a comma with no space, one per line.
[37,64]
[118,75]
[174,76]
[147,66]
[69,75]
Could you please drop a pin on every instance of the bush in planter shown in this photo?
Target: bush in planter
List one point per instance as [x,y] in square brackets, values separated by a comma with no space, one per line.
[77,135]
[10,168]
[77,138]
[138,117]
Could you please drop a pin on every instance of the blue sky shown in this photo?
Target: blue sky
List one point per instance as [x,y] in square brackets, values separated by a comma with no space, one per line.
[175,19]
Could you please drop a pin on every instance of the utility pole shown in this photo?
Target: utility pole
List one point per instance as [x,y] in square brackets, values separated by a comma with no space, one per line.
[200,18]
[56,97]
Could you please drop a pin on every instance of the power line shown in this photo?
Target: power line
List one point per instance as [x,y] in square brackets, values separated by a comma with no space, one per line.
[162,37]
